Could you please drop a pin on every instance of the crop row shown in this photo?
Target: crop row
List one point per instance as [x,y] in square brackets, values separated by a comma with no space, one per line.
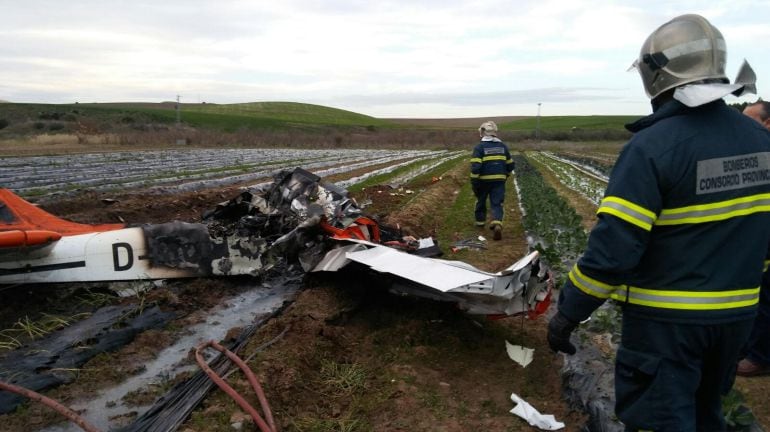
[185,169]
[572,175]
[598,163]
[553,225]
[403,172]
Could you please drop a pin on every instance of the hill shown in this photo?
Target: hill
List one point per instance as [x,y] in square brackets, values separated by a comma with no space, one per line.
[87,127]
[231,117]
[462,122]
[280,115]
[562,123]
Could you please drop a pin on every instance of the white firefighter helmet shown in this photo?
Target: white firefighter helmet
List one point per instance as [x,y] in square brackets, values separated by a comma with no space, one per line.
[488,128]
[685,50]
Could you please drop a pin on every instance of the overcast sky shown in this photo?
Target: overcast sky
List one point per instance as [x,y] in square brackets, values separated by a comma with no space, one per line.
[426,58]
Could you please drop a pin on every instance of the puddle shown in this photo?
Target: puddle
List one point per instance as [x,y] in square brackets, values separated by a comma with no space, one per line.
[237,311]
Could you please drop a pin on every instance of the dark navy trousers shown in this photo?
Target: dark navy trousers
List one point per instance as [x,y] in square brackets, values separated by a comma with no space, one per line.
[670,377]
[495,192]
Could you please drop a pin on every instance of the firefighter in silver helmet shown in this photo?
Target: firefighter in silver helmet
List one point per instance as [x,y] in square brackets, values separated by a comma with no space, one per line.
[682,237]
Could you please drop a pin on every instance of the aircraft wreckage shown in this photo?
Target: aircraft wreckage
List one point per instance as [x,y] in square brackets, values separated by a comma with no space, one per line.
[297,217]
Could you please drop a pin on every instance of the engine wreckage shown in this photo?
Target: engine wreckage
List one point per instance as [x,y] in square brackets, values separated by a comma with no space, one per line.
[296,218]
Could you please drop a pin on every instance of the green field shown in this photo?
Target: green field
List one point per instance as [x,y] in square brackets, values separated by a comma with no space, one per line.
[229,117]
[19,120]
[564,123]
[289,112]
[277,115]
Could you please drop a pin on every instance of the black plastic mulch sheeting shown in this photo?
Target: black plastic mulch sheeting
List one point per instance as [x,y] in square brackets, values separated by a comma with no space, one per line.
[589,377]
[173,408]
[44,363]
[589,385]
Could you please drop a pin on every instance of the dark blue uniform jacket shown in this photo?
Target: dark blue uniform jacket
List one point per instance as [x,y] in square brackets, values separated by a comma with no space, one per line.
[684,227]
[491,161]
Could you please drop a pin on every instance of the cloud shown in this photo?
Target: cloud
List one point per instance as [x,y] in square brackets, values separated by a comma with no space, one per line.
[351,51]
[529,96]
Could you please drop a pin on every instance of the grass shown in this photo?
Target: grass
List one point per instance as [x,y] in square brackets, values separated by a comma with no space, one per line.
[310,424]
[432,400]
[342,379]
[459,219]
[225,117]
[290,112]
[569,122]
[26,328]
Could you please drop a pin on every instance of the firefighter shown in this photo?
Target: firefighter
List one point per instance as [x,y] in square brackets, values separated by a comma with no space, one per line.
[491,165]
[682,236]
[757,360]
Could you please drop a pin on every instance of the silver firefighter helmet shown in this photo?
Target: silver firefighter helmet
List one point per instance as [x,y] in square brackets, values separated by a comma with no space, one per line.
[685,50]
[488,128]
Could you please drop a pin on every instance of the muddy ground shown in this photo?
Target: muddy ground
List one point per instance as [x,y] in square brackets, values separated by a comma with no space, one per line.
[345,355]
[421,365]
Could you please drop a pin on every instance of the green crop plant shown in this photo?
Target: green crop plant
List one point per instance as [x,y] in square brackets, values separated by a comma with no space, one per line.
[549,218]
[737,415]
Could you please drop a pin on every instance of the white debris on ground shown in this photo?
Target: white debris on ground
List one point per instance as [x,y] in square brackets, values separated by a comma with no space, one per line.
[526,411]
[519,354]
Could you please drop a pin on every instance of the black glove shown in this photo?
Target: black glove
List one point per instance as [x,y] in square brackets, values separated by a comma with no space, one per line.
[559,329]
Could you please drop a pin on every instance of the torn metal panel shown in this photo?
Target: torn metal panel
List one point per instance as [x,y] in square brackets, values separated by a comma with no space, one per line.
[337,258]
[517,289]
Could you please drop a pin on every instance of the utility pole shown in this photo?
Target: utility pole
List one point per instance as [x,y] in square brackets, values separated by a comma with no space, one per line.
[537,123]
[178,114]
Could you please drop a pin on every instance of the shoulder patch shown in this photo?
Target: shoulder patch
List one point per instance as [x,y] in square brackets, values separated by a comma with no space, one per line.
[734,172]
[494,150]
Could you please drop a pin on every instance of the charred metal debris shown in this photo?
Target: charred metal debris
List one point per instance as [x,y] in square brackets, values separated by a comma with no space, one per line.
[300,218]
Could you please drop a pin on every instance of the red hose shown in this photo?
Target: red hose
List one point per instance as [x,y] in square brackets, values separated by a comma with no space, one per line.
[264,426]
[56,406]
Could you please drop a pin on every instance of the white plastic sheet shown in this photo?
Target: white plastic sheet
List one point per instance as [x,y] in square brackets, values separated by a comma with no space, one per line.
[526,411]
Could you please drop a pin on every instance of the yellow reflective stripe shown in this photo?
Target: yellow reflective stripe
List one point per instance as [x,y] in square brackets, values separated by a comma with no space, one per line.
[715,211]
[591,286]
[685,300]
[509,161]
[628,211]
[474,175]
[767,264]
[493,158]
[475,160]
[494,177]
[688,300]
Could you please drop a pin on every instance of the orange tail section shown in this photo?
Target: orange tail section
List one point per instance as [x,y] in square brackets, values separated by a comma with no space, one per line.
[22,223]
[16,238]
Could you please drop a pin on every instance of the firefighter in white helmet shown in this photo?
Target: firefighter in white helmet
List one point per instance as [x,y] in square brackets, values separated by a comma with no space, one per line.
[491,165]
[682,238]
